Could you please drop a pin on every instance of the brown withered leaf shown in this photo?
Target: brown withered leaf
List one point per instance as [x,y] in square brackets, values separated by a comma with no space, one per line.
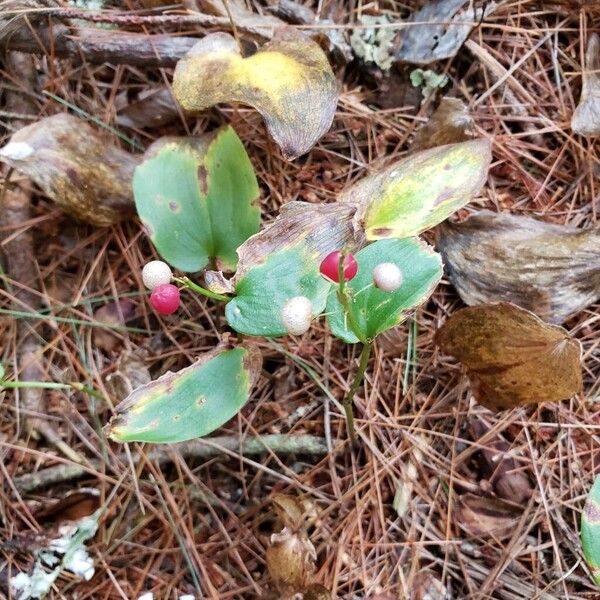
[291,556]
[486,517]
[586,118]
[499,466]
[450,123]
[297,100]
[76,167]
[426,586]
[438,30]
[114,314]
[73,506]
[511,356]
[552,270]
[152,108]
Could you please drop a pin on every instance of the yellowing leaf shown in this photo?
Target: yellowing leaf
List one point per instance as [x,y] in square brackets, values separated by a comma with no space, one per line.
[289,82]
[420,190]
[512,357]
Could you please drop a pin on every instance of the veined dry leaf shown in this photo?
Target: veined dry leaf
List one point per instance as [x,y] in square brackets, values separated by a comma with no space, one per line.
[486,517]
[420,190]
[552,270]
[291,556]
[440,29]
[512,357]
[450,123]
[76,167]
[297,99]
[586,118]
[504,472]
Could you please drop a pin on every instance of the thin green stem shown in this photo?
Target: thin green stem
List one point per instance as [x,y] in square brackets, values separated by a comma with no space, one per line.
[188,283]
[344,300]
[347,403]
[50,385]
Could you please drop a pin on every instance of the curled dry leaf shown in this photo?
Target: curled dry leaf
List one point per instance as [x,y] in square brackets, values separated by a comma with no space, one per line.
[297,100]
[420,190]
[115,315]
[152,108]
[486,517]
[438,30]
[291,556]
[586,118]
[76,167]
[511,356]
[552,270]
[498,465]
[450,123]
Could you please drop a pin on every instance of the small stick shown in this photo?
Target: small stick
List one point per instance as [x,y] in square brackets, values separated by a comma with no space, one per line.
[200,448]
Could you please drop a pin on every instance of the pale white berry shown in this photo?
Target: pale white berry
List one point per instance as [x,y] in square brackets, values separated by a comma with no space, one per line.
[296,315]
[156,273]
[387,277]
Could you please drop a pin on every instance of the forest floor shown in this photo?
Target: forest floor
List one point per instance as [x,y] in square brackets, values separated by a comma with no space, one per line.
[408,511]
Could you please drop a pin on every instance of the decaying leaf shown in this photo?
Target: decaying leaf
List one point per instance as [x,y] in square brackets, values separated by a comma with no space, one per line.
[291,556]
[552,270]
[297,100]
[116,314]
[282,261]
[512,357]
[426,586]
[420,190]
[190,403]
[590,530]
[197,198]
[586,118]
[440,28]
[450,123]
[152,108]
[486,517]
[498,465]
[76,167]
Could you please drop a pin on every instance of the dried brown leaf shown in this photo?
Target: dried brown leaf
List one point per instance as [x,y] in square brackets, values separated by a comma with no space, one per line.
[512,357]
[486,517]
[115,314]
[76,167]
[586,118]
[153,108]
[426,586]
[450,123]
[440,28]
[497,464]
[552,270]
[297,100]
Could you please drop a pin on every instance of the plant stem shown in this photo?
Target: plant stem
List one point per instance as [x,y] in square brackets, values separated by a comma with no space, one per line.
[358,378]
[188,283]
[344,300]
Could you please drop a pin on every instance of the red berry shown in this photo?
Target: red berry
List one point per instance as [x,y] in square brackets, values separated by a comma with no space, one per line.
[165,299]
[330,266]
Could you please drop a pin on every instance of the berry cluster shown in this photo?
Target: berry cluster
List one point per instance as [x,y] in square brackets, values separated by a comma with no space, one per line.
[164,296]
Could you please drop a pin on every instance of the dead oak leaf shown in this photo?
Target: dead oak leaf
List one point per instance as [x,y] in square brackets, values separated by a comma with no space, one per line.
[511,356]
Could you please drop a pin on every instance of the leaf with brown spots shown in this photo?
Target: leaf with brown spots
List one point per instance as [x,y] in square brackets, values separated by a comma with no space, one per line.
[421,190]
[190,403]
[288,81]
[198,199]
[590,526]
[74,165]
[552,270]
[511,356]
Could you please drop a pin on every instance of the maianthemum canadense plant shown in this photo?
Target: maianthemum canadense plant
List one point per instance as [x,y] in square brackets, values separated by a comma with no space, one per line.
[358,262]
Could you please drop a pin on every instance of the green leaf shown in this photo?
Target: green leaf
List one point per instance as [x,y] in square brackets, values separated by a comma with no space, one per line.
[264,289]
[282,262]
[421,190]
[376,311]
[590,530]
[2,371]
[190,403]
[196,197]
